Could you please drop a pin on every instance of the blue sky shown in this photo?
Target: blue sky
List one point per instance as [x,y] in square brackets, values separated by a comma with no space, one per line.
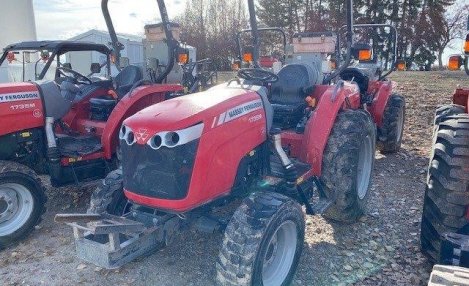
[62,19]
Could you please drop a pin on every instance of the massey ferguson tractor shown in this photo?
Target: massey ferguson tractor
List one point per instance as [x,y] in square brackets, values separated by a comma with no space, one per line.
[67,128]
[444,232]
[185,158]
[366,69]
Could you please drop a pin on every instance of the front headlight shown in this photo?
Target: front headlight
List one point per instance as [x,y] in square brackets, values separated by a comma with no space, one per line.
[171,139]
[127,135]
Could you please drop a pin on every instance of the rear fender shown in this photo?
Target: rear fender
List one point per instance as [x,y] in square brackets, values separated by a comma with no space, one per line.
[321,122]
[461,97]
[129,105]
[20,107]
[382,91]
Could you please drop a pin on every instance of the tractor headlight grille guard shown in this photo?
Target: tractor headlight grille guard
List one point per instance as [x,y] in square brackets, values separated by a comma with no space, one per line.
[163,173]
[176,138]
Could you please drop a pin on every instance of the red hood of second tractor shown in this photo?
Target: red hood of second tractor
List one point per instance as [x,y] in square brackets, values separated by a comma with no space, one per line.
[20,107]
[185,111]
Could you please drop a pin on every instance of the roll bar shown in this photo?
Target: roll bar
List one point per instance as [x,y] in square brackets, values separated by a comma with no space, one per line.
[117,46]
[254,32]
[274,29]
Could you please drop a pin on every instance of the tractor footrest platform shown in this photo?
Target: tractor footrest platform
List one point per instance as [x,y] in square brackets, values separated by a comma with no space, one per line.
[455,250]
[110,241]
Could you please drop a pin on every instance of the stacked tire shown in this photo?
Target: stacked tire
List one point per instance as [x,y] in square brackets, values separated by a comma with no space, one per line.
[447,192]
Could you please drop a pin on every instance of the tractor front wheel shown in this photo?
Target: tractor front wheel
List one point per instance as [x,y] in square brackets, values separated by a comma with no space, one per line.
[390,133]
[447,193]
[347,165]
[109,197]
[263,242]
[22,202]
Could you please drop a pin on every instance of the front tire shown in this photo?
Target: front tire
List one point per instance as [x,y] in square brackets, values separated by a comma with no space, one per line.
[391,132]
[347,165]
[22,202]
[263,242]
[109,197]
[447,192]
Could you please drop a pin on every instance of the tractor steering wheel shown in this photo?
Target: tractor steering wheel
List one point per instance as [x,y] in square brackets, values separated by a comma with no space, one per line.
[76,75]
[258,74]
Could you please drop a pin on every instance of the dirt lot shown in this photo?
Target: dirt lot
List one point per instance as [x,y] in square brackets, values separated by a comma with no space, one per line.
[382,249]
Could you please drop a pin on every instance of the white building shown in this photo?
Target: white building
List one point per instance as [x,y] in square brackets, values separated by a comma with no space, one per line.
[17,24]
[133,49]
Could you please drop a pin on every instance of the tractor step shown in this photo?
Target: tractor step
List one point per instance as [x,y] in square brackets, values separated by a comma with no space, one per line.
[110,241]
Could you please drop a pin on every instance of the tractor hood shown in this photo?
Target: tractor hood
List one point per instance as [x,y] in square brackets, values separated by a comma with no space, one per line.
[212,108]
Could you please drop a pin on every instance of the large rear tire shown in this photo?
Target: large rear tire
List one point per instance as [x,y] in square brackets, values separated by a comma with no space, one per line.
[391,132]
[447,192]
[22,202]
[263,242]
[109,197]
[347,165]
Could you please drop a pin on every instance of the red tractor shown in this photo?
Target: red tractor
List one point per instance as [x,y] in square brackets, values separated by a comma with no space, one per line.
[185,158]
[68,127]
[444,232]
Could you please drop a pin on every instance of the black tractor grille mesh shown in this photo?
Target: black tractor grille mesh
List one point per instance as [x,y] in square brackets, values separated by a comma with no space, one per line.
[164,173]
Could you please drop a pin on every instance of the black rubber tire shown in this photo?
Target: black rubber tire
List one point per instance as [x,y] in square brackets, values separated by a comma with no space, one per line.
[109,197]
[248,234]
[12,172]
[445,111]
[447,192]
[340,165]
[389,136]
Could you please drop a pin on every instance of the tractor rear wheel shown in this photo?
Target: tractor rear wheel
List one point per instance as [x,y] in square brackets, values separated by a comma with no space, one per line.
[446,111]
[390,133]
[109,197]
[263,242]
[22,202]
[447,193]
[347,165]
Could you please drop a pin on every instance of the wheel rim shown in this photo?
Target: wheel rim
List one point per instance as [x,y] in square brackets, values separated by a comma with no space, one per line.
[16,207]
[280,254]
[365,160]
[400,125]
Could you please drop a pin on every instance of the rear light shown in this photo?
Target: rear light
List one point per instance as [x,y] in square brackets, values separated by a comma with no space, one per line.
[171,139]
[364,55]
[401,65]
[247,57]
[454,63]
[11,57]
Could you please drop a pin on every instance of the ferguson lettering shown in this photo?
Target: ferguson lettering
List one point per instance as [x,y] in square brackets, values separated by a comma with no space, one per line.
[239,111]
[9,97]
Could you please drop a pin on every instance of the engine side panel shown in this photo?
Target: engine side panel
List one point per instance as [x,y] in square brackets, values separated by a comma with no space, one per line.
[20,107]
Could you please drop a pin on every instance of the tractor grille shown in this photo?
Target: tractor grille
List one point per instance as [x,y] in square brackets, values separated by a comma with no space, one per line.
[164,173]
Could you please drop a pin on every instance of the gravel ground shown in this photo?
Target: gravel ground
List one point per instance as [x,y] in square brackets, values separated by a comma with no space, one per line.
[381,249]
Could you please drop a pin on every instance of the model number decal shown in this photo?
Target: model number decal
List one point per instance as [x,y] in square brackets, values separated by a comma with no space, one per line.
[239,111]
[8,97]
[23,106]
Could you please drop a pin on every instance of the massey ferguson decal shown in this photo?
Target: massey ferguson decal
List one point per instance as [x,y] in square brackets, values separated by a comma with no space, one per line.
[22,106]
[18,96]
[238,111]
[141,135]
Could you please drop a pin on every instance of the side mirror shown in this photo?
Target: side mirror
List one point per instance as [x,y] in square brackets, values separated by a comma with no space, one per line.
[124,62]
[362,51]
[95,68]
[183,56]
[401,65]
[455,62]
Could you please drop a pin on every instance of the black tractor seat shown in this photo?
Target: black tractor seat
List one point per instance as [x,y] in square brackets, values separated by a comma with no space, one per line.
[126,79]
[289,92]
